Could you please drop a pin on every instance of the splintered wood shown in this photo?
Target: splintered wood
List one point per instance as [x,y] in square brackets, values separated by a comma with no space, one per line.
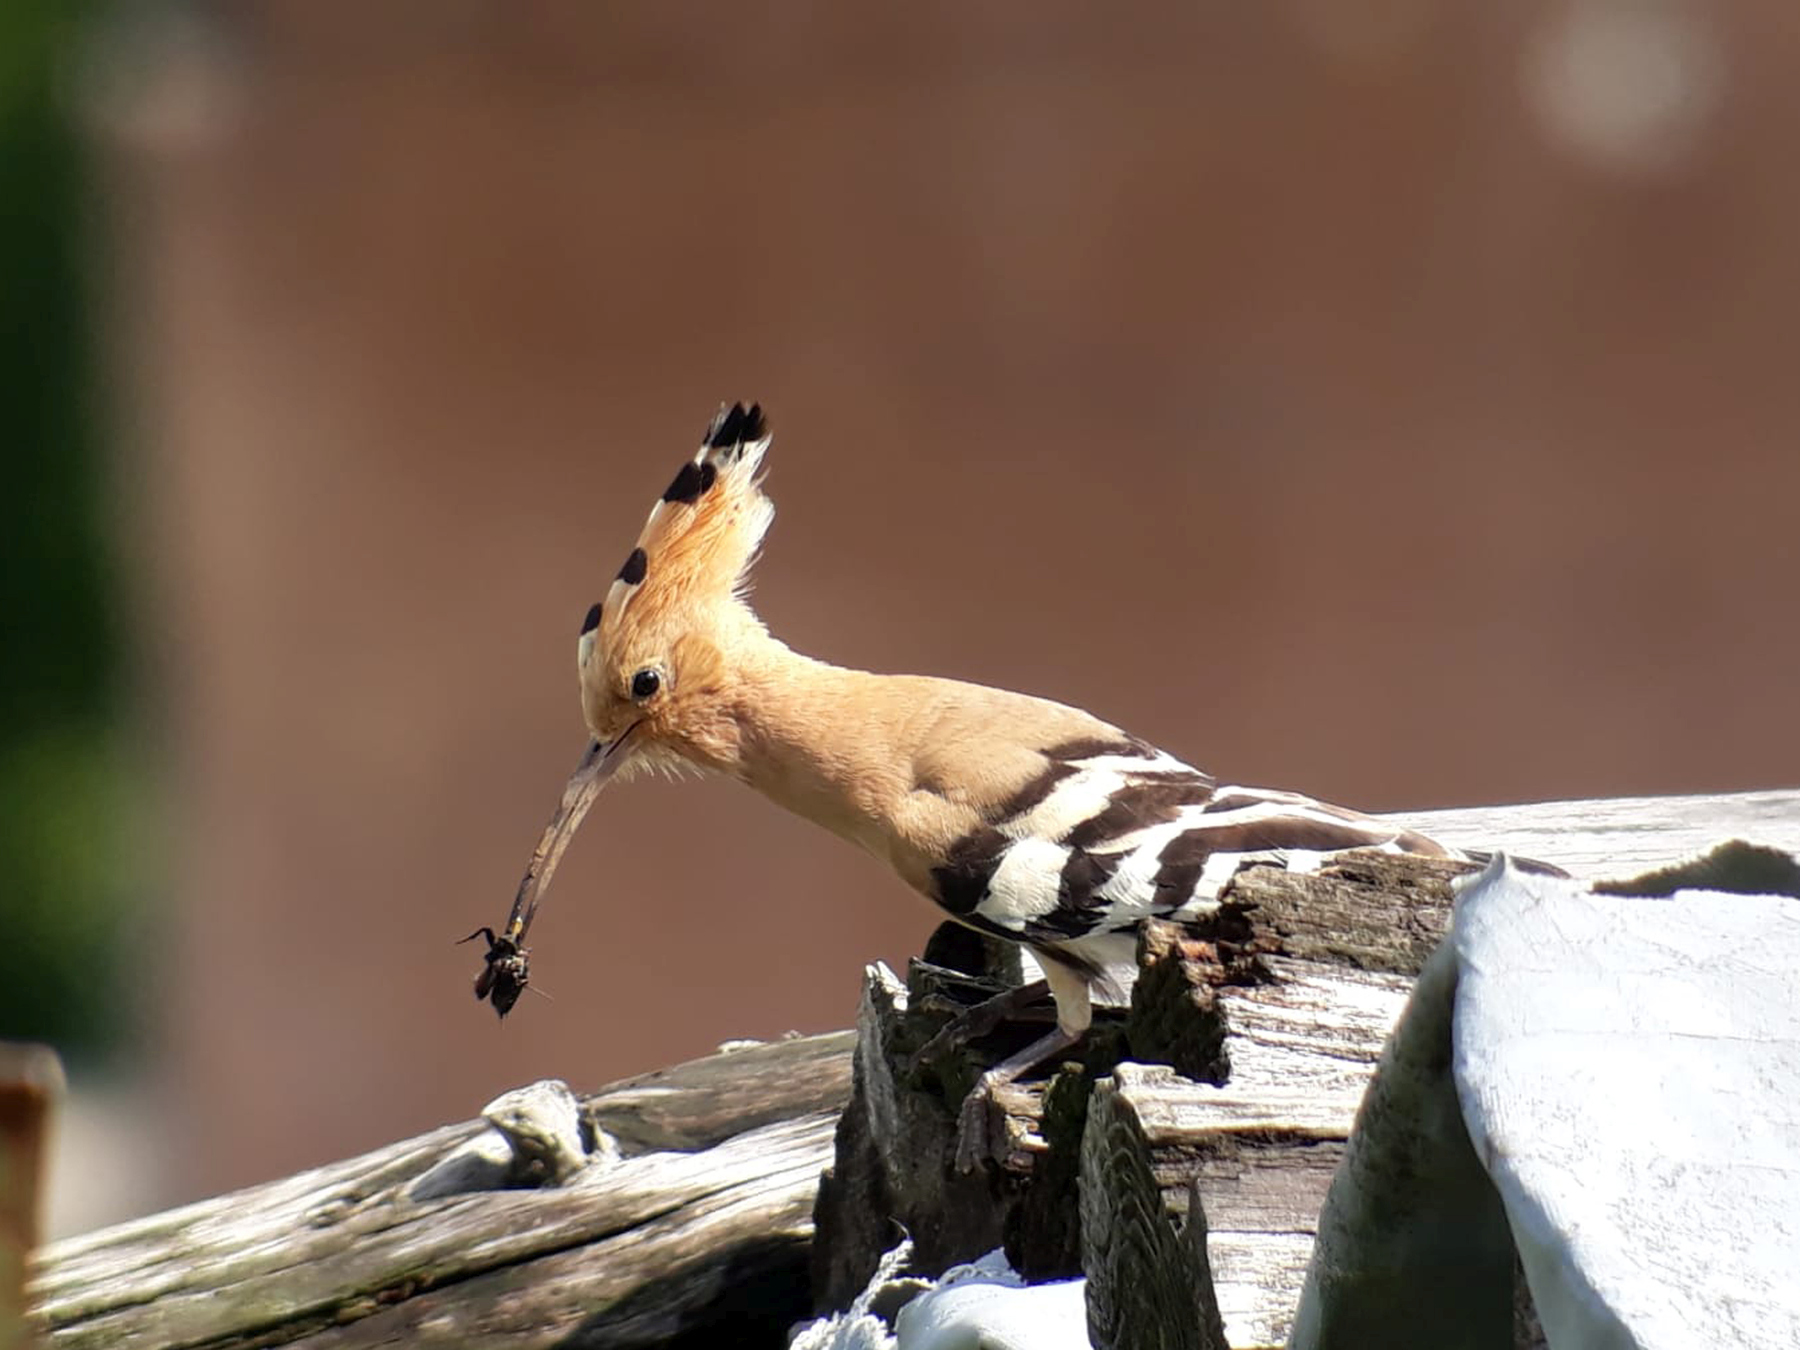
[668,1204]
[1275,1011]
[1180,1160]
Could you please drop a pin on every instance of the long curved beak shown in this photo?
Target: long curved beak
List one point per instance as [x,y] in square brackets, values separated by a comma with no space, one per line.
[597,765]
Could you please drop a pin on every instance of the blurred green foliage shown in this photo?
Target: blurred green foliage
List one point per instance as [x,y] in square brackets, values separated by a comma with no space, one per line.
[61,897]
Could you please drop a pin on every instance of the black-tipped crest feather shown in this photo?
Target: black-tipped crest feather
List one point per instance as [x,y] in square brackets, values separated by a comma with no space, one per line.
[702,534]
[736,425]
[687,485]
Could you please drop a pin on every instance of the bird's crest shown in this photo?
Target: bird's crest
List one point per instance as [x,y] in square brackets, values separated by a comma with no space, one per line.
[702,534]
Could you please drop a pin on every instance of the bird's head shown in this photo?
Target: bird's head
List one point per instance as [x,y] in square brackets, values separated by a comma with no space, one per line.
[656,654]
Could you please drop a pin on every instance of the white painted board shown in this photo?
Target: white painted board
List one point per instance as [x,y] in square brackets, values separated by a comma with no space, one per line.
[1629,1073]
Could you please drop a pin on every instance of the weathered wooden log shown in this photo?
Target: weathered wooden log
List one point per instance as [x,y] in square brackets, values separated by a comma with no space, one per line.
[1277,1012]
[1262,1140]
[1149,1287]
[1277,1008]
[1413,1220]
[701,1218]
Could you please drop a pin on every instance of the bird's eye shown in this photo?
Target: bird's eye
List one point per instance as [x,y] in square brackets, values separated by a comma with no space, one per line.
[644,684]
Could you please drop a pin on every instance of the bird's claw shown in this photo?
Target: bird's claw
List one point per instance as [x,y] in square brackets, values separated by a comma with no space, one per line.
[972,1023]
[974,1143]
[955,1033]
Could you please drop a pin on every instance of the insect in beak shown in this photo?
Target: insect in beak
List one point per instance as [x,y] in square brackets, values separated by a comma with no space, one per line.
[506,973]
[507,970]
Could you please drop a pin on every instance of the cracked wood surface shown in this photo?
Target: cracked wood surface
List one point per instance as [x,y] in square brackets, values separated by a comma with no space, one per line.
[714,1196]
[1339,951]
[716,1188]
[1259,1152]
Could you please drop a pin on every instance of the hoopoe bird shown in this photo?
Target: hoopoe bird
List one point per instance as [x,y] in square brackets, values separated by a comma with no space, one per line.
[1021,818]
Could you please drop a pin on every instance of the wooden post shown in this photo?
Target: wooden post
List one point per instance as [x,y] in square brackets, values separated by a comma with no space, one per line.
[31,1083]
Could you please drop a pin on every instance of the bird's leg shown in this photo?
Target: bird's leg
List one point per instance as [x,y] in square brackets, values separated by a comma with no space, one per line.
[973,1023]
[972,1137]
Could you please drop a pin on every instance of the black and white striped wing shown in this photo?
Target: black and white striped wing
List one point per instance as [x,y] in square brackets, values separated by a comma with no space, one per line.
[1114,832]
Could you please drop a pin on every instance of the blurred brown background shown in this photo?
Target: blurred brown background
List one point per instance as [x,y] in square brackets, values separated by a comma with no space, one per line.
[1395,405]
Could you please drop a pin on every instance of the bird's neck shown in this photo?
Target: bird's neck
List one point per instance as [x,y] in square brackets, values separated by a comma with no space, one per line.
[828,743]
